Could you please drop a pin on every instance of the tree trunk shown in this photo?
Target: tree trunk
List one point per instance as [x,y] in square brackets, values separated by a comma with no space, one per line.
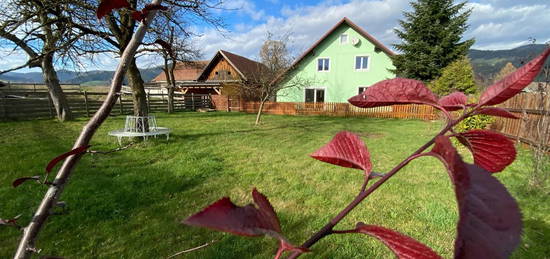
[170,99]
[51,80]
[136,83]
[260,110]
[139,97]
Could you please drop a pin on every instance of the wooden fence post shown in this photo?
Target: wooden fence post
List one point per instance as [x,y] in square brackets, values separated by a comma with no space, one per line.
[228,101]
[121,105]
[148,103]
[193,100]
[50,104]
[86,104]
[3,109]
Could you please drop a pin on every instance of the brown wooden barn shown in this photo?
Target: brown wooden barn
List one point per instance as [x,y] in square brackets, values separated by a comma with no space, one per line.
[222,75]
[186,74]
[229,71]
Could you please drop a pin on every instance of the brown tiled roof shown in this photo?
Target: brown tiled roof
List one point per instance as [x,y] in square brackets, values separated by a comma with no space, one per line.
[185,71]
[347,21]
[246,68]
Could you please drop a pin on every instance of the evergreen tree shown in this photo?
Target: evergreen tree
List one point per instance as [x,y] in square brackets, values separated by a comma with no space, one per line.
[431,35]
[458,76]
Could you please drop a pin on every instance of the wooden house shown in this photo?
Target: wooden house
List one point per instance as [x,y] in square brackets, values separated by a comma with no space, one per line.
[186,74]
[230,71]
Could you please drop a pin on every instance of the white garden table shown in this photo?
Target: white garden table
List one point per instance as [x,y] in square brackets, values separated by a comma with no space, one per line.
[136,126]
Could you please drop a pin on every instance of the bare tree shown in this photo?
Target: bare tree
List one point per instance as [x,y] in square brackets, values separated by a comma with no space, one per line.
[270,76]
[541,147]
[29,26]
[49,201]
[174,50]
[506,70]
[114,34]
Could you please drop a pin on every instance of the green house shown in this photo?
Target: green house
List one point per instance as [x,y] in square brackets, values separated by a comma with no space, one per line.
[338,66]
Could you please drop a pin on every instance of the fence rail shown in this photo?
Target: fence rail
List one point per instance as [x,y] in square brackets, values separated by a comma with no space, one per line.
[534,123]
[33,104]
[412,111]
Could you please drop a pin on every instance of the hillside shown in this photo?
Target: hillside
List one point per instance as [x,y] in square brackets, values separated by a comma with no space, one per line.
[486,63]
[95,77]
[489,62]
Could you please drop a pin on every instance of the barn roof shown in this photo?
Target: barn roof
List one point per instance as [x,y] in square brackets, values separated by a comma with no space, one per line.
[185,71]
[246,68]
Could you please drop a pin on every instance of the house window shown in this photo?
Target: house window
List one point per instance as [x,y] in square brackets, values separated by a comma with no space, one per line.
[343,38]
[323,64]
[315,95]
[362,89]
[361,62]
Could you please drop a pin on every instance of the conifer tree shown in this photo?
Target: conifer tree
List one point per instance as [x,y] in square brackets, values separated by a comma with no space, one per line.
[457,76]
[431,38]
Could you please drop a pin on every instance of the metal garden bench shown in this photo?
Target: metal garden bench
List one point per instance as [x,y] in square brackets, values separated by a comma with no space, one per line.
[136,126]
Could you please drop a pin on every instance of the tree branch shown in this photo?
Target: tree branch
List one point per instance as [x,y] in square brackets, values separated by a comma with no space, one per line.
[30,233]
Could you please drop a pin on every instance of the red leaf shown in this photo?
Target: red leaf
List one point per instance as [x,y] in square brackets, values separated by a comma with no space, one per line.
[515,82]
[21,180]
[225,216]
[347,150]
[56,160]
[10,222]
[402,246]
[496,111]
[141,15]
[453,102]
[138,15]
[107,6]
[489,224]
[491,150]
[394,91]
[266,210]
[151,7]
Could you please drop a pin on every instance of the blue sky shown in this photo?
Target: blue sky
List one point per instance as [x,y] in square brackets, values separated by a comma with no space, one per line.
[495,24]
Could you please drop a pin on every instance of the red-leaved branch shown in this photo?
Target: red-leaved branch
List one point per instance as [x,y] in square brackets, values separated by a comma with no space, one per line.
[489,224]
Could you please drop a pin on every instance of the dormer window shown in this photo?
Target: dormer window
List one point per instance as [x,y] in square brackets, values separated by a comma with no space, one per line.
[343,38]
[323,64]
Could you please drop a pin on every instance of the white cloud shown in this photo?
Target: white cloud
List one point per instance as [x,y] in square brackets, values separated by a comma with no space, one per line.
[495,24]
[503,25]
[245,7]
[308,23]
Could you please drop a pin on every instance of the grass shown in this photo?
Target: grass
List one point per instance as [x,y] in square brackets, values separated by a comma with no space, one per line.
[129,204]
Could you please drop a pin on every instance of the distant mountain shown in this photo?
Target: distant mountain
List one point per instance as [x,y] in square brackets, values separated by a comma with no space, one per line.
[487,63]
[94,77]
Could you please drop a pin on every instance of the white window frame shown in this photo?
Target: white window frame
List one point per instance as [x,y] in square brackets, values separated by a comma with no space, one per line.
[317,64]
[315,93]
[361,69]
[347,38]
[359,88]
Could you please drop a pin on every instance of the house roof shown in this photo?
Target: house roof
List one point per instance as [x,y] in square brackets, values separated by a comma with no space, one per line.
[354,26]
[185,71]
[246,68]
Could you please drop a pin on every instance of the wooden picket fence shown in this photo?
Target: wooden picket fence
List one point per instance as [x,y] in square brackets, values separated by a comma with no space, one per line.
[37,104]
[412,111]
[532,115]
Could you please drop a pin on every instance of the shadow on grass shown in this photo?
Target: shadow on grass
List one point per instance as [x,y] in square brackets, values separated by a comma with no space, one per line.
[535,239]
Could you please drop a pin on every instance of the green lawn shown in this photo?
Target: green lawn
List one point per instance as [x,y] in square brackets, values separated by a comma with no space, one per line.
[129,204]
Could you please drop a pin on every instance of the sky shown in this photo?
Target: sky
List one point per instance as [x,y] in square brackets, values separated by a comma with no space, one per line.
[494,24]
